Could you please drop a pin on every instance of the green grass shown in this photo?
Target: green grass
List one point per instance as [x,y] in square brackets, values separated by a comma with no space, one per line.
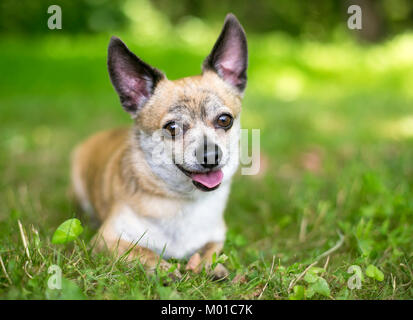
[336,126]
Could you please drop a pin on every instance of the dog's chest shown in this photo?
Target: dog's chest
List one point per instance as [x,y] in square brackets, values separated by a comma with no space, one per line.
[182,234]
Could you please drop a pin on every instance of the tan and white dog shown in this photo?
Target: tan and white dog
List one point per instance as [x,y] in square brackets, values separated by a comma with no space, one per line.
[149,203]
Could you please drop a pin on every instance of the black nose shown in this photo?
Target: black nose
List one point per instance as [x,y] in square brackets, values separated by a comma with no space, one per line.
[209,155]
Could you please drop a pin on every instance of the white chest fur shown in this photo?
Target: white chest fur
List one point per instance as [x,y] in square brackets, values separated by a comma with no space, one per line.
[179,236]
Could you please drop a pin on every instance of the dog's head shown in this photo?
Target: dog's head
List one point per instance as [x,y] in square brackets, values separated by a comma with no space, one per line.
[188,129]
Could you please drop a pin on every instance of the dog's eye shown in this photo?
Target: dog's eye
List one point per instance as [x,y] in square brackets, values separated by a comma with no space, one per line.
[172,129]
[224,121]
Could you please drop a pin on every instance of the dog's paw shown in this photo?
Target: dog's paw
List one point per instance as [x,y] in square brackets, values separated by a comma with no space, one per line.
[194,263]
[175,274]
[219,272]
[166,267]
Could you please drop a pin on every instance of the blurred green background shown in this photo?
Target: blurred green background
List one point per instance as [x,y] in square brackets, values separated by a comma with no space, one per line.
[304,19]
[334,106]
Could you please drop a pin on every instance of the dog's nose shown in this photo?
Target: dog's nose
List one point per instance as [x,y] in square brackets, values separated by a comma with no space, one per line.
[209,155]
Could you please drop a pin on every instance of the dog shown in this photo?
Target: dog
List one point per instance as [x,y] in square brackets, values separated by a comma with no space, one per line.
[150,206]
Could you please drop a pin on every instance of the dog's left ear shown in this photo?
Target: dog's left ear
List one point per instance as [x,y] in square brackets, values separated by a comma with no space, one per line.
[229,56]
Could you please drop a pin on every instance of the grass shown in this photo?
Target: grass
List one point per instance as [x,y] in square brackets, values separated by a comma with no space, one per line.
[336,125]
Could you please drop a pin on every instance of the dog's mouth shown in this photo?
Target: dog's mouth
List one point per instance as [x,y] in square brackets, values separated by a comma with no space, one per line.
[205,181]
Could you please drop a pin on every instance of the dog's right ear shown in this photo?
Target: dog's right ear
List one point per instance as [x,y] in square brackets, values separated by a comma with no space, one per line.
[133,79]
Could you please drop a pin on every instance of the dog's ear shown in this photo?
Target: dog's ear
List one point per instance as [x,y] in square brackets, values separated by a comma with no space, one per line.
[133,79]
[229,56]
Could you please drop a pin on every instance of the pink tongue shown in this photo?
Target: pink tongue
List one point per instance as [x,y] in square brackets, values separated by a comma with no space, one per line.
[210,179]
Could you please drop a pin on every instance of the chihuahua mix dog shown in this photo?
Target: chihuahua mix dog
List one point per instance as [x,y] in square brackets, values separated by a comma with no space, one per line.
[154,207]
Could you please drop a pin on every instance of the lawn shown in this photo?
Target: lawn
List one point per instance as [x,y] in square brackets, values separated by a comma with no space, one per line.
[335,188]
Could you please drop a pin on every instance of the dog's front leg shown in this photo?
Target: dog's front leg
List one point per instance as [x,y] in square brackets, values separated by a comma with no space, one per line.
[104,241]
[203,259]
